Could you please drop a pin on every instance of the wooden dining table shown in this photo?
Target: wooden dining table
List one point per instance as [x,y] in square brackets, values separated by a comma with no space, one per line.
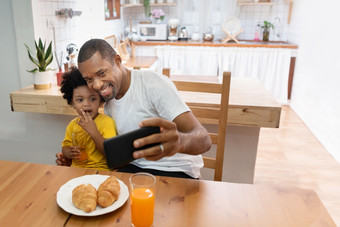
[28,198]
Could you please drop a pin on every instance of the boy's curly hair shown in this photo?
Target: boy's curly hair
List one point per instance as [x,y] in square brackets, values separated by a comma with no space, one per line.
[71,80]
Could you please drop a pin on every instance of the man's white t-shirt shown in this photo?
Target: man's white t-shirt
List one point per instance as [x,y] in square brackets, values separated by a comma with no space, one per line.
[152,95]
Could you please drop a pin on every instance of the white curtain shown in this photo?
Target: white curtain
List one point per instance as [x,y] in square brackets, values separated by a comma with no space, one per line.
[269,65]
[188,60]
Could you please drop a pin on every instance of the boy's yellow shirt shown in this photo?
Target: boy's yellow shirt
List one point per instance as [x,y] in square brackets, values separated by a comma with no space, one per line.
[107,128]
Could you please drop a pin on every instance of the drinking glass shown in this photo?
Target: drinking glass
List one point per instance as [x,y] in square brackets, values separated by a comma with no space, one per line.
[76,142]
[142,199]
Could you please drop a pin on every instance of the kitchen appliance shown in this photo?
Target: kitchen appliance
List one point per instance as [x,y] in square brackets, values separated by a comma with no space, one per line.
[208,36]
[72,51]
[195,36]
[183,34]
[173,29]
[152,31]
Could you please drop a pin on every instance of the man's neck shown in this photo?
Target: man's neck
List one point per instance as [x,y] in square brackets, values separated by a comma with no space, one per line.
[126,81]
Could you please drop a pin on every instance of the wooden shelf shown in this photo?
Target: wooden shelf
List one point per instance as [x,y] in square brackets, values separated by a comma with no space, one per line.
[255,3]
[155,4]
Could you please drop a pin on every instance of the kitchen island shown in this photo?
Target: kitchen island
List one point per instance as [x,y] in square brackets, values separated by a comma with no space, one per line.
[216,43]
[251,107]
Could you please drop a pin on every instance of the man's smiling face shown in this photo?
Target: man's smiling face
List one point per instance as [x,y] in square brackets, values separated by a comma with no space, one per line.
[102,75]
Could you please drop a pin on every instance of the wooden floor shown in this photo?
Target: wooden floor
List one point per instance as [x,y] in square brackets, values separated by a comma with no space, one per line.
[292,156]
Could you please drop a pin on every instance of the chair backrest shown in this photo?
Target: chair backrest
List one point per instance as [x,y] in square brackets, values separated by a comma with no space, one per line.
[166,72]
[112,40]
[122,51]
[211,116]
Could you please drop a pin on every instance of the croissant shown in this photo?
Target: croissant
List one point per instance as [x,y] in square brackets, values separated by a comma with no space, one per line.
[84,197]
[108,192]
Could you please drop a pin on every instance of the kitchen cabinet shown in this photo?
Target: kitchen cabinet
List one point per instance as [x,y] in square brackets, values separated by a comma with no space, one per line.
[112,9]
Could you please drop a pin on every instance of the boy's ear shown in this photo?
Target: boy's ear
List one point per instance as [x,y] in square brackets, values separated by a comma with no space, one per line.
[72,104]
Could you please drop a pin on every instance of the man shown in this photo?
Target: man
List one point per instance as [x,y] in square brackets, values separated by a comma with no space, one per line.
[141,98]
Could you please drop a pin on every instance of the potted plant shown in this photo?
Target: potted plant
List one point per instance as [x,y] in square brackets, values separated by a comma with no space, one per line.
[43,57]
[158,15]
[147,9]
[266,27]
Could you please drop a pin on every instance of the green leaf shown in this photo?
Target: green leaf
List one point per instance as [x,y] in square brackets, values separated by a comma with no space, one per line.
[32,71]
[147,9]
[49,51]
[30,55]
[33,59]
[41,46]
[49,60]
[38,54]
[267,25]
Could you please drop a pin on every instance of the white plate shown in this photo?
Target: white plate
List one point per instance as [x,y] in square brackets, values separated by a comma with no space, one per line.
[232,25]
[64,195]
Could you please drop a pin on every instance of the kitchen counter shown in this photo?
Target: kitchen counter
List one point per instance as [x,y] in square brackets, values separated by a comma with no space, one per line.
[250,103]
[216,43]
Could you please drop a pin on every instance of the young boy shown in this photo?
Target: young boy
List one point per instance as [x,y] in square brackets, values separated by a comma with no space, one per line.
[90,128]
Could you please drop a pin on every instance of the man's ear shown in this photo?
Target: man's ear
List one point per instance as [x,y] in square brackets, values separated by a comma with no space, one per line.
[117,59]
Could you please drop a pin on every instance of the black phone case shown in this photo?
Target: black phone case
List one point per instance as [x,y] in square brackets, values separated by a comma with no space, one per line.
[119,149]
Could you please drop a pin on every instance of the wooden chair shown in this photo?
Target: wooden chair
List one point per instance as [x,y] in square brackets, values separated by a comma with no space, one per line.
[122,51]
[132,47]
[211,116]
[166,72]
[112,40]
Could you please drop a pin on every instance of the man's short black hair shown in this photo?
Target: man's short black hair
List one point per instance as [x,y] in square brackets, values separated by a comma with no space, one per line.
[96,45]
[71,80]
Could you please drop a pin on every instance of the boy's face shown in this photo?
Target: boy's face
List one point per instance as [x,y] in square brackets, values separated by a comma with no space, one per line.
[87,100]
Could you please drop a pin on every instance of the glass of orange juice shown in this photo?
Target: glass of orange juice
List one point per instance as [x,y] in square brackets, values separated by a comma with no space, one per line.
[81,144]
[142,199]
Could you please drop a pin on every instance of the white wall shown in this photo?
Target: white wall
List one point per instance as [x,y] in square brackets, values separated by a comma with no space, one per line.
[78,29]
[316,86]
[34,137]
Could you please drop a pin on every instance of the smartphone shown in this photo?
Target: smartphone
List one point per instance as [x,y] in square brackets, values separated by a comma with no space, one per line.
[119,149]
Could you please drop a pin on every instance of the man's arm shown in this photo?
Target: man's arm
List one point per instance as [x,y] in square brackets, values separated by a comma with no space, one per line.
[184,135]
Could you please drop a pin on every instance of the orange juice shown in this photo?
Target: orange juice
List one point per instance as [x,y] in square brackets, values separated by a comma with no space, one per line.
[142,206]
[83,155]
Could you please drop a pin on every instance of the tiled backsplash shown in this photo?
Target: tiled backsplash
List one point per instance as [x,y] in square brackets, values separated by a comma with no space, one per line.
[78,29]
[196,15]
[199,15]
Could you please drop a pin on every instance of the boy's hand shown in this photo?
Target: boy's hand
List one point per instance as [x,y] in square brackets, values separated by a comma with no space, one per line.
[71,152]
[87,123]
[62,161]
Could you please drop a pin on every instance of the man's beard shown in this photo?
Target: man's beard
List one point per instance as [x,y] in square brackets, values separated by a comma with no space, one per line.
[114,93]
